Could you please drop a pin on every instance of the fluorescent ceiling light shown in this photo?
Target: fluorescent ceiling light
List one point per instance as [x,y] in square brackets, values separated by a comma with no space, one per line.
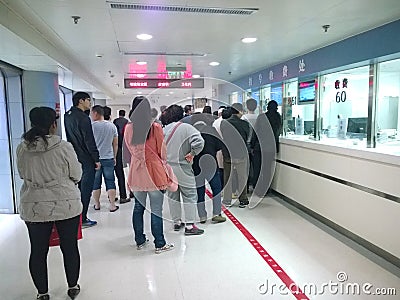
[144,36]
[214,63]
[139,92]
[196,76]
[141,63]
[249,40]
[171,92]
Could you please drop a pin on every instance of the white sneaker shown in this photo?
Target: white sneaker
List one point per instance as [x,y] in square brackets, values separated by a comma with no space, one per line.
[142,245]
[165,248]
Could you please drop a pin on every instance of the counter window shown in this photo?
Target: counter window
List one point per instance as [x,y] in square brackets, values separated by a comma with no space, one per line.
[388,107]
[344,107]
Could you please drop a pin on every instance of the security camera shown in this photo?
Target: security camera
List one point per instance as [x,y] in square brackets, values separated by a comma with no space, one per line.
[75,19]
[229,72]
[326,27]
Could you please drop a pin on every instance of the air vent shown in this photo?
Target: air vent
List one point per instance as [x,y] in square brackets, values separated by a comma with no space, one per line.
[166,53]
[184,9]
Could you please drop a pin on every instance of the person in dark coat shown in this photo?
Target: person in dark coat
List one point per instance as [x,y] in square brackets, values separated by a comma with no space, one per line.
[120,123]
[235,133]
[265,145]
[205,167]
[78,129]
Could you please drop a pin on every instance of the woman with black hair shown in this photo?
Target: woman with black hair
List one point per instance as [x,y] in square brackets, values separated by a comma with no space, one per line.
[147,177]
[49,195]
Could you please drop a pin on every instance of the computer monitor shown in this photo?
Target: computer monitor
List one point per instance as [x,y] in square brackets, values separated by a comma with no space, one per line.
[308,127]
[357,126]
[290,125]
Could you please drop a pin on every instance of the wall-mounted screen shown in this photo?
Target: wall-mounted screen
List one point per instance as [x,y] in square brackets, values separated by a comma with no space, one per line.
[306,91]
[276,93]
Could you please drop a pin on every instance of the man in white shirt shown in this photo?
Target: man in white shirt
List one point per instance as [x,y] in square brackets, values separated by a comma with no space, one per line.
[106,137]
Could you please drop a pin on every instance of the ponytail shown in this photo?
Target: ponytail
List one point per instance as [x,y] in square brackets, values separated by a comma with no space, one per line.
[34,134]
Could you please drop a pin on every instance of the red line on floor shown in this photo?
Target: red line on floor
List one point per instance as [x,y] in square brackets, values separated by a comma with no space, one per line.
[209,194]
[290,284]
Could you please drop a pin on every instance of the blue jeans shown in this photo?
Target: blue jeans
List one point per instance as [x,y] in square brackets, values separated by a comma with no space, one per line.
[86,186]
[107,170]
[156,205]
[215,184]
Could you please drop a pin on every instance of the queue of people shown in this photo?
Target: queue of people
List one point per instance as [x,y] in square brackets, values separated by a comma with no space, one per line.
[181,146]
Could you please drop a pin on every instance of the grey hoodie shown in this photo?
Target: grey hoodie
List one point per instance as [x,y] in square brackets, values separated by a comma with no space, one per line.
[50,174]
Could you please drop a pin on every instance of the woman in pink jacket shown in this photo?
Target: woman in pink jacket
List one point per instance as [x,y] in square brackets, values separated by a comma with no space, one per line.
[145,142]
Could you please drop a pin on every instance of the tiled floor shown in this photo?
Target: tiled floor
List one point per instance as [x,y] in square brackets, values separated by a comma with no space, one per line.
[221,264]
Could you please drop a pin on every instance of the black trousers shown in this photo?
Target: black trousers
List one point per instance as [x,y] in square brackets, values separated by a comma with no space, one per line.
[263,171]
[119,172]
[39,235]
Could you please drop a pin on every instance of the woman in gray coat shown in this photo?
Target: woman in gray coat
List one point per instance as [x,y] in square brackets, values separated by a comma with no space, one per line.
[49,195]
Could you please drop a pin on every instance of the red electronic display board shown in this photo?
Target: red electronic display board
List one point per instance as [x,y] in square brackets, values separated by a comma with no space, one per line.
[153,83]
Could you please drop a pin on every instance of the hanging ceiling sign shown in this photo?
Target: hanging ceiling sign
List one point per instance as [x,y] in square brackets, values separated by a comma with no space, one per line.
[154,83]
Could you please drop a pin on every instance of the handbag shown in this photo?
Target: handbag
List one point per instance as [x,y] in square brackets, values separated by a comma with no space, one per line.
[55,238]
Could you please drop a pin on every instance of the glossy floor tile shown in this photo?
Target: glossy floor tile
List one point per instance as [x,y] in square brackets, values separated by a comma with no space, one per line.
[221,264]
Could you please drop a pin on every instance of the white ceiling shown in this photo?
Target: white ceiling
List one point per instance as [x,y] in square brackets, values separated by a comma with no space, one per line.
[284,29]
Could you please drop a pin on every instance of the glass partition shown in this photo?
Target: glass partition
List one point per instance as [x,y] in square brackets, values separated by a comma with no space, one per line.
[234,98]
[288,102]
[6,200]
[388,107]
[265,94]
[344,107]
[340,102]
[11,130]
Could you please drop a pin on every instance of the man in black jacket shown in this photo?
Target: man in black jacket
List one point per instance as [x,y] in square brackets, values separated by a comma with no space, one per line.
[78,129]
[205,167]
[235,133]
[120,122]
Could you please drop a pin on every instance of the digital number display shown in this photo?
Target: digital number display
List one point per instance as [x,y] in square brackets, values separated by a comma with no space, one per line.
[152,83]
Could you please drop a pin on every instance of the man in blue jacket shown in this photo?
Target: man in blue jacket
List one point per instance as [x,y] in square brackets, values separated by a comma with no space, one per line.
[78,128]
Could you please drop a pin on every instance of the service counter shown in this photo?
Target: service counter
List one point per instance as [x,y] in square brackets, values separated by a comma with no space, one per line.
[354,189]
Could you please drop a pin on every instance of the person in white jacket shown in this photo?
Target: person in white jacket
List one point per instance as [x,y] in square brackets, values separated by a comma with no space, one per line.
[183,143]
[49,195]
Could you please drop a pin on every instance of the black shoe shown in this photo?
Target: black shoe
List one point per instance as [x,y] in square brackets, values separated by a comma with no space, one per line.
[43,297]
[243,204]
[88,223]
[74,291]
[178,226]
[194,231]
[124,200]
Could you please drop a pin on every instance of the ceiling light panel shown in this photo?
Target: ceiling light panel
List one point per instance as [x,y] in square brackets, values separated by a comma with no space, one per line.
[144,36]
[249,40]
